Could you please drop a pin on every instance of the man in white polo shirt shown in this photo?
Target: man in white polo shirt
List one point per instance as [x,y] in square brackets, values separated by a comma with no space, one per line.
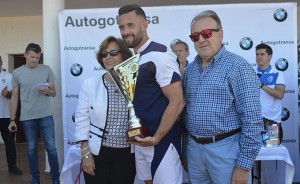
[272,85]
[7,136]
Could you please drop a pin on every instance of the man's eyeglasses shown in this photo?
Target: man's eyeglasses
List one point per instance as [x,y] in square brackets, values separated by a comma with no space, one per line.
[112,53]
[207,33]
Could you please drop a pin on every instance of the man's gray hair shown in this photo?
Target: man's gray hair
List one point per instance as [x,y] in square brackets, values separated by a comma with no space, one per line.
[178,41]
[208,13]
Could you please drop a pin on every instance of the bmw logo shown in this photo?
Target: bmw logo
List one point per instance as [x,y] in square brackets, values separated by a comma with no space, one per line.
[76,69]
[246,43]
[280,15]
[285,114]
[73,117]
[281,64]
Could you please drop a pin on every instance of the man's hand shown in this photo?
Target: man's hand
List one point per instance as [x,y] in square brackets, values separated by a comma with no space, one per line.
[12,124]
[147,141]
[240,176]
[44,91]
[6,93]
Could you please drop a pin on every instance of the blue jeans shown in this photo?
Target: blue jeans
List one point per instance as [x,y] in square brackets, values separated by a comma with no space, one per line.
[46,126]
[213,163]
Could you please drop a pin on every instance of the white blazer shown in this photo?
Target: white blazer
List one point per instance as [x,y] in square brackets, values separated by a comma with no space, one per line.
[91,113]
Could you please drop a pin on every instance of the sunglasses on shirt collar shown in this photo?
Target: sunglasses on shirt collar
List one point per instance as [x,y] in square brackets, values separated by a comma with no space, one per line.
[207,33]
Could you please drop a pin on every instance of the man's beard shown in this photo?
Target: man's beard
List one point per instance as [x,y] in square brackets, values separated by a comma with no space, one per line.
[134,42]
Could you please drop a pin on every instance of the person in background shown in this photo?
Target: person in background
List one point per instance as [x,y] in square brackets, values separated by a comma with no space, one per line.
[223,112]
[181,50]
[7,136]
[35,84]
[272,86]
[101,122]
[158,101]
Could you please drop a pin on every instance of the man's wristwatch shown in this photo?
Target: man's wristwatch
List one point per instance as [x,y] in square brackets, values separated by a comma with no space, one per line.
[12,120]
[262,85]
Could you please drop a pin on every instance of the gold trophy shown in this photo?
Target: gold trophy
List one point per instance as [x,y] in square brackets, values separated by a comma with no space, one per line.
[125,75]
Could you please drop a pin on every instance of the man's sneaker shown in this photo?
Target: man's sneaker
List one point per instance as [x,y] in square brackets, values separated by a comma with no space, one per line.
[35,181]
[15,170]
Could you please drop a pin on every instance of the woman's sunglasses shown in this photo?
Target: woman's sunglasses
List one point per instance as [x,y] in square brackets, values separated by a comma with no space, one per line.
[112,53]
[207,33]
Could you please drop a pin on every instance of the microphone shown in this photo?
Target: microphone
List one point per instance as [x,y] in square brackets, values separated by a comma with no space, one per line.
[13,128]
[11,133]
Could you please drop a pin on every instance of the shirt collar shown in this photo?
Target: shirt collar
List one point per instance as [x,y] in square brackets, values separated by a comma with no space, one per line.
[143,47]
[263,71]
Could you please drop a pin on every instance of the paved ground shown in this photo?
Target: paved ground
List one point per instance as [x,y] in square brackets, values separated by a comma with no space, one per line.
[22,163]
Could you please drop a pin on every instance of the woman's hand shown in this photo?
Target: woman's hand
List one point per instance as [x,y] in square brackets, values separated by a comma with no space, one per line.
[88,163]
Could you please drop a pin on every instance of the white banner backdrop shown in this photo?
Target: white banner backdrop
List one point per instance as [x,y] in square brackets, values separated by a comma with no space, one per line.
[245,26]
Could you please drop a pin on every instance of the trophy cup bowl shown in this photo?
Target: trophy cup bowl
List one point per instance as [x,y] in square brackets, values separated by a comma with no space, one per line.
[125,75]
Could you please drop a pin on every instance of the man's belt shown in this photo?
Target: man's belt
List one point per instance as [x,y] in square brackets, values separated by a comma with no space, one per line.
[208,140]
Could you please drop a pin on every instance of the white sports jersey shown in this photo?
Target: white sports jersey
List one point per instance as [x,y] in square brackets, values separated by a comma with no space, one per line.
[5,79]
[270,106]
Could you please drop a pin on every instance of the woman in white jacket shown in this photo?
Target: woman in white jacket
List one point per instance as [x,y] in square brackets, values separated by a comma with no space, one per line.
[101,122]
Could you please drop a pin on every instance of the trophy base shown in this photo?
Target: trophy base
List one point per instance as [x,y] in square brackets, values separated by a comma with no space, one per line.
[139,131]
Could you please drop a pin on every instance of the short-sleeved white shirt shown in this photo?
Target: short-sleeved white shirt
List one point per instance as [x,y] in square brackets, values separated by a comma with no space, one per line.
[5,81]
[271,107]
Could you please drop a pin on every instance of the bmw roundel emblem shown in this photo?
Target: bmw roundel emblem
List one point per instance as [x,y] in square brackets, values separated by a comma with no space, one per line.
[280,15]
[281,64]
[76,69]
[285,114]
[246,43]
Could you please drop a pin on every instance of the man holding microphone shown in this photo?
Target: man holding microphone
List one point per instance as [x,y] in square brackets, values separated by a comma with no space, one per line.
[7,136]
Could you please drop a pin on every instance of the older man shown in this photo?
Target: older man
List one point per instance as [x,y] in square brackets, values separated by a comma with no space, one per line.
[181,50]
[223,113]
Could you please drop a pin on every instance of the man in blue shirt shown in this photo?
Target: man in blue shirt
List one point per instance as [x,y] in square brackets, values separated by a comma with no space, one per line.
[223,113]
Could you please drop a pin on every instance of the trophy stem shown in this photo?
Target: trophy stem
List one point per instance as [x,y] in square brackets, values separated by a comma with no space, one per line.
[134,121]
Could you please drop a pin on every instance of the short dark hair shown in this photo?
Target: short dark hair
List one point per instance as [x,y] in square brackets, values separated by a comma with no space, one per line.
[33,47]
[264,46]
[132,7]
[125,51]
